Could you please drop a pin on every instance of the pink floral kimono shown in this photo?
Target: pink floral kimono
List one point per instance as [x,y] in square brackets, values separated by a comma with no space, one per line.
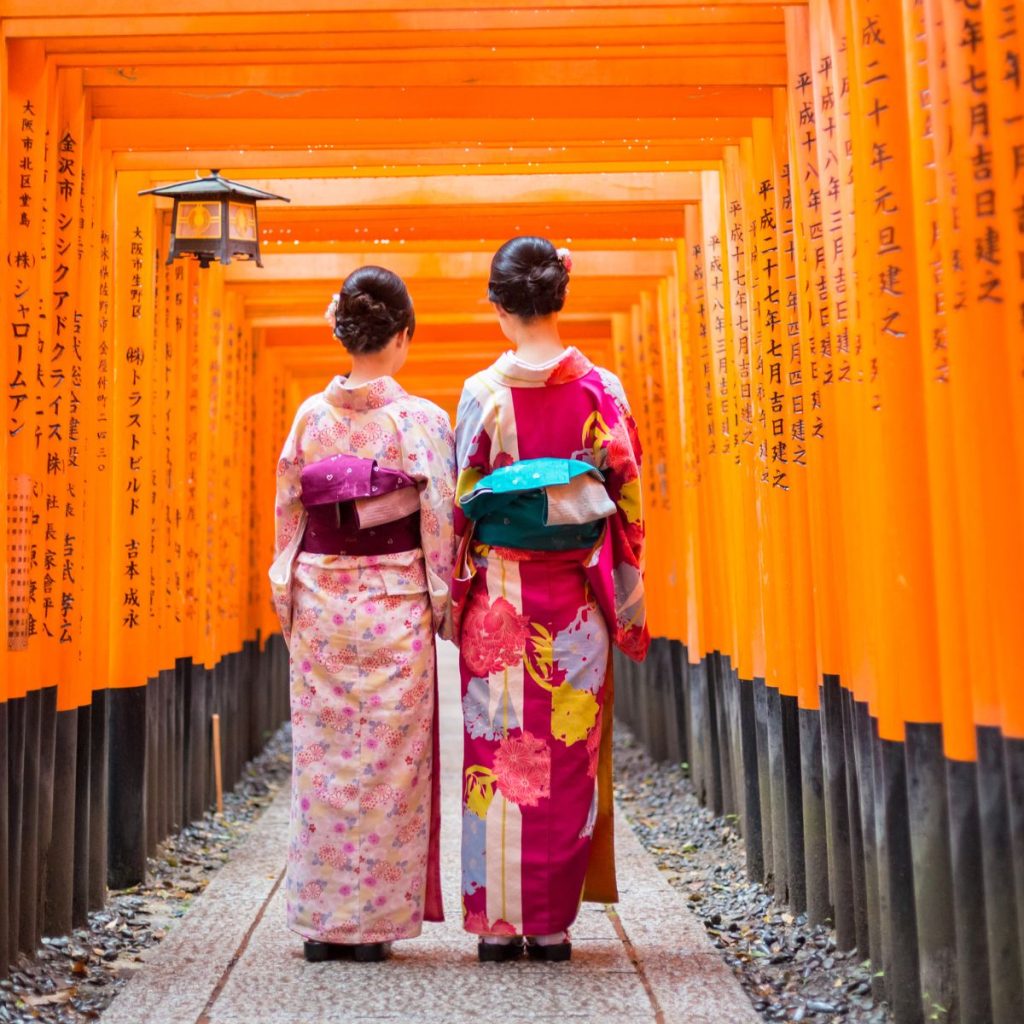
[534,630]
[363,848]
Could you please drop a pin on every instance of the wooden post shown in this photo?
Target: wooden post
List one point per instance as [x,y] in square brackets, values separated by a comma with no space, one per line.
[216,764]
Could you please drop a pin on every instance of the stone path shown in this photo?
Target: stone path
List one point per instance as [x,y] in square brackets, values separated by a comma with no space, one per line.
[231,959]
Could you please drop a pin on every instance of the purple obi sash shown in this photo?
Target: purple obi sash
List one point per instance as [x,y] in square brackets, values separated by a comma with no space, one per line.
[357,508]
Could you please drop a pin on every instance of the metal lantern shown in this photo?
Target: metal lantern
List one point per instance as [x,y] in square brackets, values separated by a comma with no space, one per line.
[214,219]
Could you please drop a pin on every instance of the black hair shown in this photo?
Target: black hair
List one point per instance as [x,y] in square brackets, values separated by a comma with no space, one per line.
[527,278]
[373,306]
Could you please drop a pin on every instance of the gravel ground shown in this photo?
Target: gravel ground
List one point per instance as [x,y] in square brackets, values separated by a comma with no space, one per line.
[74,977]
[792,971]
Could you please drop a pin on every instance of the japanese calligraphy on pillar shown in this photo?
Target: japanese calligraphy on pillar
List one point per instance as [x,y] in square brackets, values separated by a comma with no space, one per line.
[651,356]
[132,649]
[64,396]
[715,290]
[179,375]
[833,265]
[775,448]
[785,355]
[22,259]
[134,427]
[20,622]
[1001,23]
[975,134]
[935,186]
[101,389]
[812,329]
[703,398]
[24,372]
[741,411]
[887,231]
[190,536]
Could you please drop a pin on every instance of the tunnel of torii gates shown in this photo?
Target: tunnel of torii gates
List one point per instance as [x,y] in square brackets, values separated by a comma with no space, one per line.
[798,238]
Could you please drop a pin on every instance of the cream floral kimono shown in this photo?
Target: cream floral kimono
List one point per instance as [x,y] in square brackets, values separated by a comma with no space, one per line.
[363,847]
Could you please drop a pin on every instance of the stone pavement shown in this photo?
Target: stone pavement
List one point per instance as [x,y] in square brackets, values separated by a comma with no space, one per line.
[231,960]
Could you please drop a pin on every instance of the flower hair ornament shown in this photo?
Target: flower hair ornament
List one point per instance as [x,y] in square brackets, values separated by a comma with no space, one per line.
[565,257]
[331,313]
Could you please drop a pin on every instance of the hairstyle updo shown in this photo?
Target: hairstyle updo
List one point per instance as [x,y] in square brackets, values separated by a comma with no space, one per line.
[528,277]
[373,306]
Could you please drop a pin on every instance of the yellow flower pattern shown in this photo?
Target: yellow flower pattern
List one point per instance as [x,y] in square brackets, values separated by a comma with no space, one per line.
[539,660]
[573,714]
[630,501]
[479,789]
[597,435]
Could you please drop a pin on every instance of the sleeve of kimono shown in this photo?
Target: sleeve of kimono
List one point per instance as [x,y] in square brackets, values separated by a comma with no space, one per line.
[622,458]
[429,458]
[289,515]
[473,449]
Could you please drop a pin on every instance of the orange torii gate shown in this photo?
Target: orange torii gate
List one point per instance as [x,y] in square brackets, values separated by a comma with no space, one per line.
[798,238]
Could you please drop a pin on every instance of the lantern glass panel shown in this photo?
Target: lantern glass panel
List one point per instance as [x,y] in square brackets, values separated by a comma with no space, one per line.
[198,220]
[242,220]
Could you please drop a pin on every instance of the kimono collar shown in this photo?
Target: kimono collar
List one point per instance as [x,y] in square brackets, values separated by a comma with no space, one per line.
[371,395]
[514,373]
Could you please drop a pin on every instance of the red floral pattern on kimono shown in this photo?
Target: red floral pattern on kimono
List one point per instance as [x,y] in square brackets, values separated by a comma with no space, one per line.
[535,631]
[362,851]
[493,636]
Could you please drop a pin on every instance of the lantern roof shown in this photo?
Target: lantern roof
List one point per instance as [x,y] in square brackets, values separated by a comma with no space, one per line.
[211,187]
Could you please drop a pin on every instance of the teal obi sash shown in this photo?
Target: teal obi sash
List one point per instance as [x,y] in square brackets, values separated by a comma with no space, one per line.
[511,506]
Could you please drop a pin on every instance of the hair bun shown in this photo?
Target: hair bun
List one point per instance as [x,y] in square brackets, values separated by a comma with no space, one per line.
[528,278]
[373,306]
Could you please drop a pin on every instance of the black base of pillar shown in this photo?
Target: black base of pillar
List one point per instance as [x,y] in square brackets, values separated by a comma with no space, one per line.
[864,741]
[30,929]
[656,683]
[896,886]
[1013,756]
[812,786]
[703,754]
[764,780]
[83,813]
[797,877]
[933,875]
[58,882]
[974,993]
[679,747]
[834,759]
[17,717]
[196,750]
[181,670]
[1000,899]
[127,817]
[722,685]
[752,826]
[99,783]
[777,775]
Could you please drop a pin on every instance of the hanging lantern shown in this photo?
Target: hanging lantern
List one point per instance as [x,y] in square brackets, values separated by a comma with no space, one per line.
[213,219]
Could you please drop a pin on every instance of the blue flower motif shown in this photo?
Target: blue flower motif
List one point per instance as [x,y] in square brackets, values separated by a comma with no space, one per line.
[474,853]
[581,650]
[476,711]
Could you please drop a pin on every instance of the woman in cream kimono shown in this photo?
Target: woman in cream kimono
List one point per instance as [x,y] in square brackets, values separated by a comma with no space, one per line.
[549,576]
[364,545]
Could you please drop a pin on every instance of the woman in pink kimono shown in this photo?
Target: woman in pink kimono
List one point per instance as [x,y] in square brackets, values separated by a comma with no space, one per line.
[549,574]
[365,486]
